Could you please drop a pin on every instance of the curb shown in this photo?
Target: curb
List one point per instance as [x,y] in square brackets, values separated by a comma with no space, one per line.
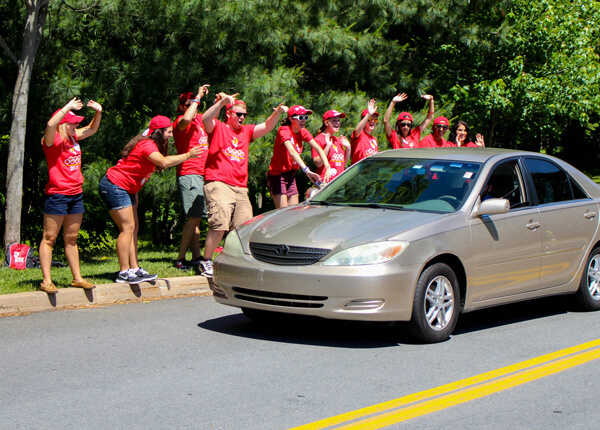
[104,294]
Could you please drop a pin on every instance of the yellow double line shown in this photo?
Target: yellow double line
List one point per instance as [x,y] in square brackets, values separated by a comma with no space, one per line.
[445,396]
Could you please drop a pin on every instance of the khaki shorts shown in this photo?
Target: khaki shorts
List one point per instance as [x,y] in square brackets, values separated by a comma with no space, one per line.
[228,206]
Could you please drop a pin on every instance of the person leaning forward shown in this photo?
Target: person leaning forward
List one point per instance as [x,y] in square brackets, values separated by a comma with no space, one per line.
[226,168]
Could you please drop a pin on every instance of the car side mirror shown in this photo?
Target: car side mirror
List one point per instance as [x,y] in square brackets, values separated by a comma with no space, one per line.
[493,207]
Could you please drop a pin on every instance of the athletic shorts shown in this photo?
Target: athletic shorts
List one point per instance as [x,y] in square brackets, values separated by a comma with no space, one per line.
[283,184]
[62,204]
[228,206]
[191,189]
[114,196]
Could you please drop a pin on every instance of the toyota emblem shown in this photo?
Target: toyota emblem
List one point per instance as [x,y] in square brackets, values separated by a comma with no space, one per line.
[282,250]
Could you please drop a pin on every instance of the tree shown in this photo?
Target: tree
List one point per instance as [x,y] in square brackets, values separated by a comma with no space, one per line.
[36,13]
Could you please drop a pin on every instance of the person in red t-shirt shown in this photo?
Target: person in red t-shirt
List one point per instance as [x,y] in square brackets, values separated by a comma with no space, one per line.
[226,169]
[336,149]
[188,131]
[141,156]
[436,138]
[460,134]
[286,160]
[405,136]
[63,207]
[362,143]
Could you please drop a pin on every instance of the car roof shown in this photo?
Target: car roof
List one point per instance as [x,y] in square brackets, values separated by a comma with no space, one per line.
[475,155]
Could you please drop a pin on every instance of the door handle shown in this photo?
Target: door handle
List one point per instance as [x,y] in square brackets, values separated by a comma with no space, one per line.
[589,214]
[533,225]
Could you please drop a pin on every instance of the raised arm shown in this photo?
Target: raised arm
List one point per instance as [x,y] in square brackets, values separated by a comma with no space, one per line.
[262,129]
[371,108]
[430,113]
[191,111]
[388,113]
[52,125]
[92,127]
[208,119]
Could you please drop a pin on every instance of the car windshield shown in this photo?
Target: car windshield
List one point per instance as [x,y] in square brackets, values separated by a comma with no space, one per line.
[403,184]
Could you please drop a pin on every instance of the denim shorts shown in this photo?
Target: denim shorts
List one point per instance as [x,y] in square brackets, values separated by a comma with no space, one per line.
[114,196]
[62,204]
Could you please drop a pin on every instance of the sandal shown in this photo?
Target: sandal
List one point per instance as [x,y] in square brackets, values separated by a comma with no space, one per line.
[49,288]
[84,283]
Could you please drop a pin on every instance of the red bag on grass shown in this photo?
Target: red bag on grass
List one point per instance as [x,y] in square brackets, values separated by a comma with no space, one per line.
[19,256]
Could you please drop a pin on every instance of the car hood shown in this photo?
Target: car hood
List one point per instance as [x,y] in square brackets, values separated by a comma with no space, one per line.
[330,227]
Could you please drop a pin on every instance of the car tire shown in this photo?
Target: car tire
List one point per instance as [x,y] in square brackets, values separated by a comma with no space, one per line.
[435,306]
[588,294]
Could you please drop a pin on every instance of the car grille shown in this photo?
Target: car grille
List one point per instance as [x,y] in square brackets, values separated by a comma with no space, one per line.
[286,255]
[278,299]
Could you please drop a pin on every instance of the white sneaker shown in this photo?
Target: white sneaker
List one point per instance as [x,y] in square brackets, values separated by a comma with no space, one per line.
[207,268]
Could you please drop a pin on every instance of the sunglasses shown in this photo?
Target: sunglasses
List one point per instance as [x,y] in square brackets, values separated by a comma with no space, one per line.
[441,127]
[241,114]
[301,117]
[375,120]
[406,124]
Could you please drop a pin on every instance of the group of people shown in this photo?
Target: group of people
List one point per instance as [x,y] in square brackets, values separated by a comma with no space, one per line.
[212,170]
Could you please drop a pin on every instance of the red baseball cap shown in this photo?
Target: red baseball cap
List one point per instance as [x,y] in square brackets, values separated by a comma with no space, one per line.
[366,112]
[405,115]
[332,114]
[298,110]
[235,102]
[158,122]
[441,119]
[185,97]
[70,117]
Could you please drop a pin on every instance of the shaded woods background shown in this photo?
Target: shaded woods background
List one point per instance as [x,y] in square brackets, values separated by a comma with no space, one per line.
[524,73]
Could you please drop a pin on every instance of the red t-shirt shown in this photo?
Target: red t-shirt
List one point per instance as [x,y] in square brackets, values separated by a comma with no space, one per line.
[470,145]
[227,159]
[429,142]
[185,140]
[335,157]
[412,141]
[282,161]
[64,166]
[363,146]
[132,172]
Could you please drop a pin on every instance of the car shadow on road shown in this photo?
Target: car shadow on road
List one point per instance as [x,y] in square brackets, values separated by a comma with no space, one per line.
[308,331]
[514,313]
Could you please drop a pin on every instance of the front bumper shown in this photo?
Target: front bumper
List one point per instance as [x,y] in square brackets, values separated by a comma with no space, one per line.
[380,292]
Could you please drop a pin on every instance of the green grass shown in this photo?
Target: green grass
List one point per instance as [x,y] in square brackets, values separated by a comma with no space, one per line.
[101,269]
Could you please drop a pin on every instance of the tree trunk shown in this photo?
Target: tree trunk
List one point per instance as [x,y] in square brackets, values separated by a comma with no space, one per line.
[37,11]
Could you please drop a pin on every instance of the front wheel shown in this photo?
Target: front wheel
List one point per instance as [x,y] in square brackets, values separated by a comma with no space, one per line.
[588,294]
[435,306]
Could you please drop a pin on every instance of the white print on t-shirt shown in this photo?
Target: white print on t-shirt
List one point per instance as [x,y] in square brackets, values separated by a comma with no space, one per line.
[235,154]
[146,178]
[337,157]
[73,162]
[235,142]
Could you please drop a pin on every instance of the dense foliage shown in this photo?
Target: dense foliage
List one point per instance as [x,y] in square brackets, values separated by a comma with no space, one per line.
[523,72]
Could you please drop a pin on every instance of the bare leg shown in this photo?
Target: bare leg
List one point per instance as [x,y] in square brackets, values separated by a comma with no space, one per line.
[52,225]
[280,200]
[190,237]
[125,220]
[293,200]
[133,251]
[71,226]
[213,239]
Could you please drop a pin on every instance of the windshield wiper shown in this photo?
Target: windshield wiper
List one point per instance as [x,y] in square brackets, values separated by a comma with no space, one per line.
[376,206]
[324,203]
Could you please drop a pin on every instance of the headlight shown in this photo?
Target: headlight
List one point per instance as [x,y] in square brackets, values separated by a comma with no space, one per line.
[233,246]
[372,253]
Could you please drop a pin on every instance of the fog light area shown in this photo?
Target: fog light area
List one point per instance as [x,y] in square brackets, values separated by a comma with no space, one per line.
[364,304]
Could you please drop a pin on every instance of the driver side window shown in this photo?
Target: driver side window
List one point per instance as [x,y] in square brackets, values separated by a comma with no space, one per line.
[506,182]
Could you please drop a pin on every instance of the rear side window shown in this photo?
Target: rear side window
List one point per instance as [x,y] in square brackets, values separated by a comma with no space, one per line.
[552,184]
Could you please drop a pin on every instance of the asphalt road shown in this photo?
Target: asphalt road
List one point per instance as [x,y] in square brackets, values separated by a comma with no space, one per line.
[193,364]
